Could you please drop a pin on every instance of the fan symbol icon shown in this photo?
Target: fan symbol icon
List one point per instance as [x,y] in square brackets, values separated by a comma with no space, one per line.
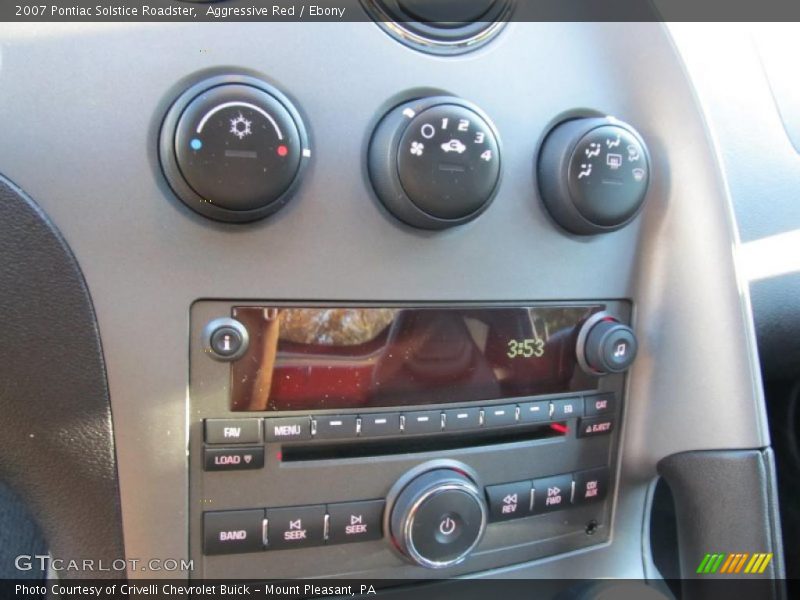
[417,148]
[240,127]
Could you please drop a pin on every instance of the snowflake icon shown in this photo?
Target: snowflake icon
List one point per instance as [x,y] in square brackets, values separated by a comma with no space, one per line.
[240,127]
[417,148]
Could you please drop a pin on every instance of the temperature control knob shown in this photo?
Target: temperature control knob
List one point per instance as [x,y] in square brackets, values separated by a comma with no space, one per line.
[435,162]
[593,174]
[605,345]
[232,148]
[438,518]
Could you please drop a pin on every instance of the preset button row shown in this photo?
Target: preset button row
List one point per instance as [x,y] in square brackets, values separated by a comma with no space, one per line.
[341,427]
[237,531]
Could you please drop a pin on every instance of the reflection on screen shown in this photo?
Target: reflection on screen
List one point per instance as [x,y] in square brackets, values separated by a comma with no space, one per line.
[332,358]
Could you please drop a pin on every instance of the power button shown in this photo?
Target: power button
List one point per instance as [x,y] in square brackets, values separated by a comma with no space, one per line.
[438,518]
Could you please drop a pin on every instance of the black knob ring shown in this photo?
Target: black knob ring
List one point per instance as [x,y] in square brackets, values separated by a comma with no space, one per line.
[589,358]
[172,170]
[383,157]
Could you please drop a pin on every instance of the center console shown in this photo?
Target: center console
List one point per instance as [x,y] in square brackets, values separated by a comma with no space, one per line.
[384,441]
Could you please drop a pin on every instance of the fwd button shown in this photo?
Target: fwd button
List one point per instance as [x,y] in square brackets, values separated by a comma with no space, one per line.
[552,493]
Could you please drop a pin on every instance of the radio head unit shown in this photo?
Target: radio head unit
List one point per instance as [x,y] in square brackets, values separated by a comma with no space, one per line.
[404,428]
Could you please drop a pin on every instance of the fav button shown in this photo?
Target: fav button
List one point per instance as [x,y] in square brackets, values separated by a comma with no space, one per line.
[509,500]
[233,459]
[552,493]
[233,431]
[232,531]
[295,527]
[355,521]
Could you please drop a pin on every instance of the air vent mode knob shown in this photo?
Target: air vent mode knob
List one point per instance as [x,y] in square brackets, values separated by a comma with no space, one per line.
[438,518]
[593,174]
[435,162]
[605,345]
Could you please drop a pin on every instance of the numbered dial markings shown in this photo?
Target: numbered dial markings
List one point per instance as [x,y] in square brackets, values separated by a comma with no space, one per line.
[448,161]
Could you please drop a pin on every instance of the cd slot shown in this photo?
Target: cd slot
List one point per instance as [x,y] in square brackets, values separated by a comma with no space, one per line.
[361,448]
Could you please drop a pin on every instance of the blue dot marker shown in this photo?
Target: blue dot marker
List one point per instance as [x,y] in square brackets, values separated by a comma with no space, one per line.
[196,144]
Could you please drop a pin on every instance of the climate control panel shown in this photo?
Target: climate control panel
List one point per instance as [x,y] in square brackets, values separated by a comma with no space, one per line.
[233,148]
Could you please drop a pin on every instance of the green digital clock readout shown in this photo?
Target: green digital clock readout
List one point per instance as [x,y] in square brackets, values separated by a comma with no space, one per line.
[527,348]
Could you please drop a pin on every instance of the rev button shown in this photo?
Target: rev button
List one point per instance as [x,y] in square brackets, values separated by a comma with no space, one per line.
[509,500]
[233,459]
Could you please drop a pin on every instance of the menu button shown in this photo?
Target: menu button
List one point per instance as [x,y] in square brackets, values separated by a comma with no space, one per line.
[288,429]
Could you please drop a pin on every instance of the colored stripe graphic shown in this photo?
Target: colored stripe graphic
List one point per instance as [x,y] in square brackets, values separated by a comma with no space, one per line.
[766,562]
[753,564]
[727,564]
[721,562]
[703,563]
[740,564]
[715,563]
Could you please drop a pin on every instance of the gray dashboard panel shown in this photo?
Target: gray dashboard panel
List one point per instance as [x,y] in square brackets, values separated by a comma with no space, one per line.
[752,64]
[81,107]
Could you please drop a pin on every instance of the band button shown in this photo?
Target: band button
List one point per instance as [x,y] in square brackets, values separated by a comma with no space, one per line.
[232,531]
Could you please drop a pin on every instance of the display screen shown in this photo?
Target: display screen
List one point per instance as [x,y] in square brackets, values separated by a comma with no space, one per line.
[332,358]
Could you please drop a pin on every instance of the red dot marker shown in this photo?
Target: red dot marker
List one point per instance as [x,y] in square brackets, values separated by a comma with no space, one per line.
[283,150]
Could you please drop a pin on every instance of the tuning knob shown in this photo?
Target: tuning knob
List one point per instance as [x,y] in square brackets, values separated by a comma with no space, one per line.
[605,345]
[593,174]
[438,518]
